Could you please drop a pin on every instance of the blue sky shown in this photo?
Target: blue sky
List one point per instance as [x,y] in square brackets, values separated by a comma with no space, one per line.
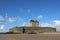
[49,10]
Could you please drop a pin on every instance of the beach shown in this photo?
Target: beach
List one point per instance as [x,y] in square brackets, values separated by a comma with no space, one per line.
[30,36]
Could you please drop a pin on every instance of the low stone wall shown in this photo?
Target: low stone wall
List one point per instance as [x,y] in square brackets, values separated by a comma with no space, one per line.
[32,29]
[47,29]
[16,30]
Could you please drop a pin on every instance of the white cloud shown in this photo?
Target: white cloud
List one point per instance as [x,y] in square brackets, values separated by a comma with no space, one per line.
[2,27]
[19,20]
[56,23]
[45,25]
[10,20]
[39,17]
[1,18]
[24,24]
[6,20]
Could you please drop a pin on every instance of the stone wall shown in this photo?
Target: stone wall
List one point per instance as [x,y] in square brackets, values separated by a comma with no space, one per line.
[16,30]
[32,29]
[47,29]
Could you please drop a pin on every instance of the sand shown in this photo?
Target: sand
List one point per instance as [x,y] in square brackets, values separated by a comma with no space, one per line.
[29,36]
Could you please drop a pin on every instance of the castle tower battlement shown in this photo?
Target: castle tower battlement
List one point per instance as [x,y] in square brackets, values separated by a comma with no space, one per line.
[34,23]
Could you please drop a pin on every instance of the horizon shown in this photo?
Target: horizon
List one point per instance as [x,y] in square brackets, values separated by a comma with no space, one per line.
[19,12]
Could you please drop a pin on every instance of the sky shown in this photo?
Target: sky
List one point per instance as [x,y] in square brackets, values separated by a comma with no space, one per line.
[20,12]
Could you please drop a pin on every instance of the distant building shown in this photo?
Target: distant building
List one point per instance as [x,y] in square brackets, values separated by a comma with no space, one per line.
[34,23]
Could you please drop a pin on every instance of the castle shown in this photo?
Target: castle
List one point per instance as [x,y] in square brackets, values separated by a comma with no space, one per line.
[34,23]
[33,28]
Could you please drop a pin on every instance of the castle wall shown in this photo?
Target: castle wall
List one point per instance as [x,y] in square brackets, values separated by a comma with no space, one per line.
[33,29]
[16,30]
[47,29]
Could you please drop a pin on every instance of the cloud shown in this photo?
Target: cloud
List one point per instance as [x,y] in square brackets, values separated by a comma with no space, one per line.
[7,20]
[19,20]
[10,20]
[2,27]
[45,25]
[24,24]
[56,23]
[1,18]
[39,17]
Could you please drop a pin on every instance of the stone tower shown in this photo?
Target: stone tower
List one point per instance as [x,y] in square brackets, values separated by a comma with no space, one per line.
[34,23]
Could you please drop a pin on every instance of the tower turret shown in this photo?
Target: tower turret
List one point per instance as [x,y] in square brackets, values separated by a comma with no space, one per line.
[34,23]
